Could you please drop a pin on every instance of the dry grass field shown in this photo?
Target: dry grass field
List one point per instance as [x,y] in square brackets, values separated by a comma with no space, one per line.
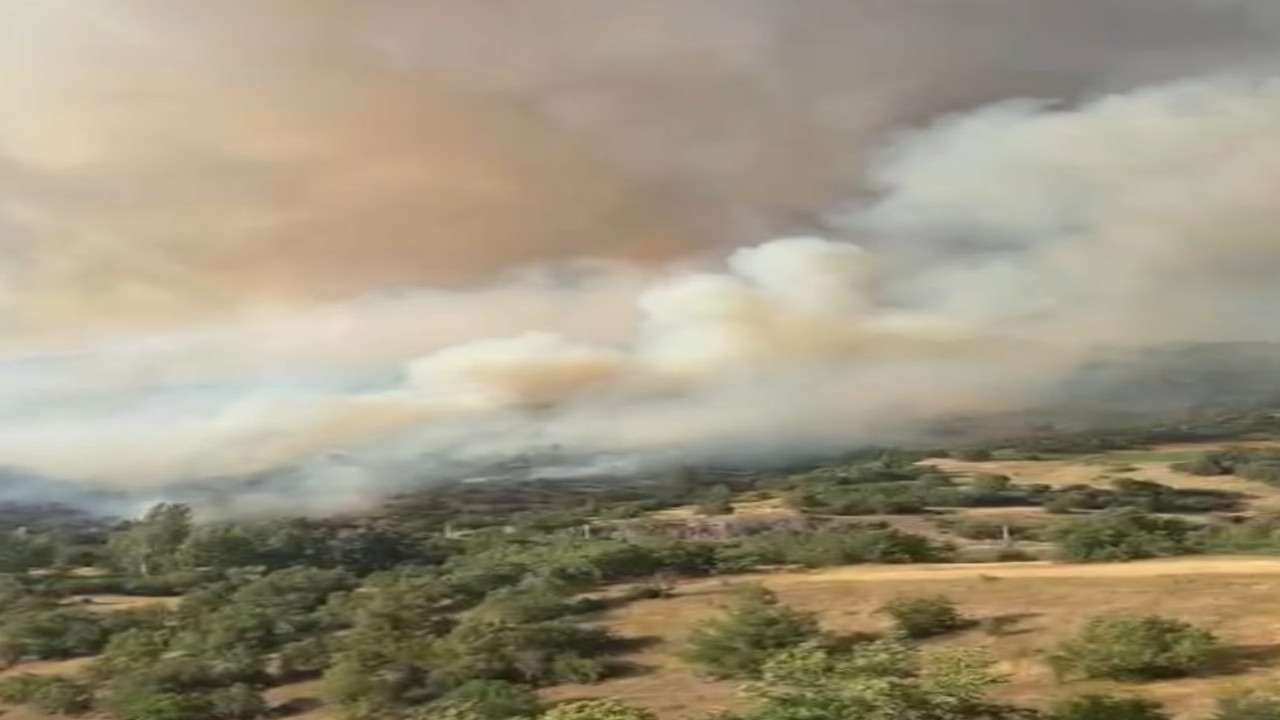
[1043,603]
[1099,470]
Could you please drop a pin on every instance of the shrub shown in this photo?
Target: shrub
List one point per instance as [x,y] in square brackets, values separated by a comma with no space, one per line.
[532,602]
[753,629]
[886,679]
[972,454]
[1125,534]
[1249,705]
[1107,707]
[837,545]
[597,710]
[236,702]
[1061,504]
[493,700]
[923,616]
[991,482]
[304,658]
[50,694]
[1204,465]
[52,635]
[1136,648]
[1012,555]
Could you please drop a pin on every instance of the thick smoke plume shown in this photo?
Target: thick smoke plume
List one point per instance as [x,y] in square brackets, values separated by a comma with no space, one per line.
[244,234]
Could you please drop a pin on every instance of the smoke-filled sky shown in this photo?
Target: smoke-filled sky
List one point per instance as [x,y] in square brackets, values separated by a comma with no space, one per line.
[238,233]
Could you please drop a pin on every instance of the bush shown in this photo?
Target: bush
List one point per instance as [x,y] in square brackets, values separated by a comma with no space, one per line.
[1136,648]
[1013,555]
[991,482]
[753,629]
[1061,504]
[923,616]
[50,694]
[52,635]
[1125,534]
[972,454]
[494,699]
[597,710]
[1204,465]
[886,679]
[1249,705]
[236,702]
[302,659]
[837,545]
[1107,707]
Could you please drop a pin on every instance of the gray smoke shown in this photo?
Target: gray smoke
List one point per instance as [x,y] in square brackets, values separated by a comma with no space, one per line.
[247,233]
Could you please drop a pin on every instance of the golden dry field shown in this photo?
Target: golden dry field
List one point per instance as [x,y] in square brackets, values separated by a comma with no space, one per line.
[1042,604]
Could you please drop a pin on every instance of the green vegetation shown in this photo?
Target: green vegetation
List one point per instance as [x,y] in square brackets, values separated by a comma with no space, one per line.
[1137,648]
[894,488]
[1126,535]
[1262,465]
[52,694]
[753,630]
[1256,704]
[881,680]
[1107,707]
[924,616]
[460,602]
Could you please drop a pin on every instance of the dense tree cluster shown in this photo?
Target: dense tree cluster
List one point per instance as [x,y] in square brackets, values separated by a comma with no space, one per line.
[1260,464]
[918,489]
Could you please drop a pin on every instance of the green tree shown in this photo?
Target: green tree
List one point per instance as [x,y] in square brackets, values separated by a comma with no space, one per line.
[20,553]
[303,658]
[240,701]
[494,700]
[50,694]
[923,616]
[753,628]
[882,680]
[52,635]
[1126,534]
[1107,707]
[1137,647]
[150,546]
[218,546]
[535,601]
[186,686]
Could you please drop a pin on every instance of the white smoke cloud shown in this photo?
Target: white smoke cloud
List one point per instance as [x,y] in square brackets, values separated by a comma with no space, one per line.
[1140,216]
[282,240]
